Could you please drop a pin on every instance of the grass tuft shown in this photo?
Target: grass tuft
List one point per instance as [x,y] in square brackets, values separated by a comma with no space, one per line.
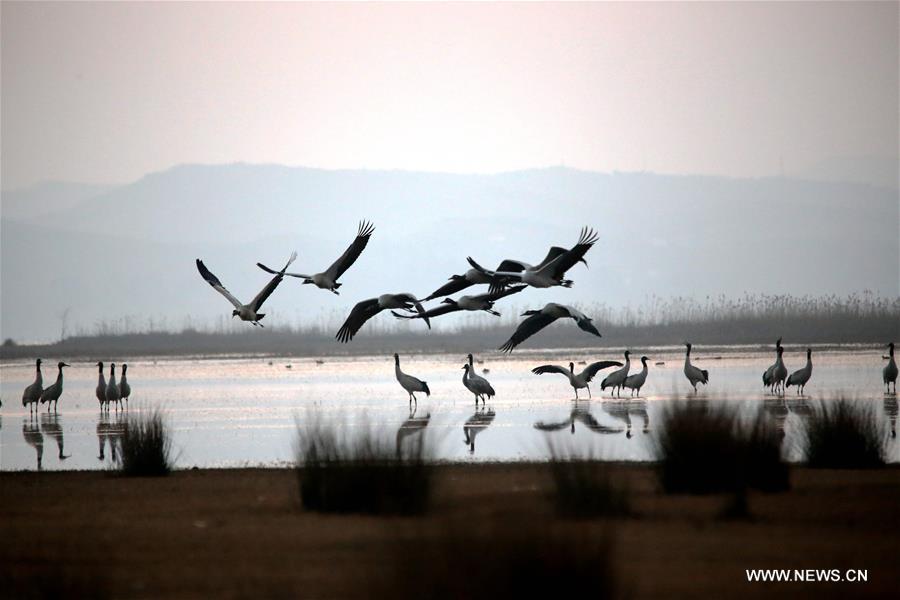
[842,434]
[146,445]
[366,474]
[705,449]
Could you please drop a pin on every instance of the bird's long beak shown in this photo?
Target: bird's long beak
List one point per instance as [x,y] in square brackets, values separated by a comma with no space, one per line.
[66,365]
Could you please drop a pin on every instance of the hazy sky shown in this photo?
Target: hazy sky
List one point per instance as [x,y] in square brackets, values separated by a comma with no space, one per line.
[109,92]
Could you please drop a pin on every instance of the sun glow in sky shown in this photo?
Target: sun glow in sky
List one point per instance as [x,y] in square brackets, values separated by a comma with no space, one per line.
[109,92]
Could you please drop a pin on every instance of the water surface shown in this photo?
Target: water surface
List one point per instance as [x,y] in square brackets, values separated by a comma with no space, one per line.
[231,412]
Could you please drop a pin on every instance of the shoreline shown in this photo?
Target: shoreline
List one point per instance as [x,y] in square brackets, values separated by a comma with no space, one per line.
[53,351]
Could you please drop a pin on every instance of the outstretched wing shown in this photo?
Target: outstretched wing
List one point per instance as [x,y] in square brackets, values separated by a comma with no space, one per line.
[494,296]
[550,369]
[353,251]
[552,255]
[419,308]
[274,272]
[526,329]
[216,284]
[478,267]
[570,258]
[264,293]
[591,370]
[582,320]
[437,311]
[512,266]
[362,312]
[457,283]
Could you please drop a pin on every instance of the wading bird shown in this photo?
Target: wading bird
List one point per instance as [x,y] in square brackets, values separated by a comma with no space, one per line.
[476,384]
[52,393]
[801,376]
[112,389]
[767,378]
[483,302]
[616,379]
[538,319]
[549,272]
[247,312]
[327,280]
[581,380]
[32,393]
[101,388]
[693,374]
[636,382]
[365,310]
[779,372]
[888,374]
[124,388]
[409,383]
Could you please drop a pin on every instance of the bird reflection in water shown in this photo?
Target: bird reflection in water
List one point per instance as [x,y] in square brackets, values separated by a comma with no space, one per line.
[475,424]
[639,408]
[51,426]
[31,431]
[581,413]
[777,409]
[110,433]
[618,409]
[890,409]
[410,432]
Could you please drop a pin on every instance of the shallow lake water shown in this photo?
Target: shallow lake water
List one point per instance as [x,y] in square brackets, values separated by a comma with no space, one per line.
[233,412]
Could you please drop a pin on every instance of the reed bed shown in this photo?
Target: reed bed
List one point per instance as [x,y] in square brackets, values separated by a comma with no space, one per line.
[146,445]
[366,474]
[843,434]
[703,448]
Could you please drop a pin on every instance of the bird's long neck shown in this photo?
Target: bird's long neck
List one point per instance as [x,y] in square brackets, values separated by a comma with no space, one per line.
[687,357]
[890,351]
[644,369]
[59,376]
[809,358]
[465,375]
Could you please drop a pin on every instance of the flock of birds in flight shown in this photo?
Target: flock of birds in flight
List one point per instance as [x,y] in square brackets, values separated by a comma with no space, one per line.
[510,277]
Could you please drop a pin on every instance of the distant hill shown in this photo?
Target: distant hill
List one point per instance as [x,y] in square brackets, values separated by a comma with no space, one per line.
[45,198]
[129,250]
